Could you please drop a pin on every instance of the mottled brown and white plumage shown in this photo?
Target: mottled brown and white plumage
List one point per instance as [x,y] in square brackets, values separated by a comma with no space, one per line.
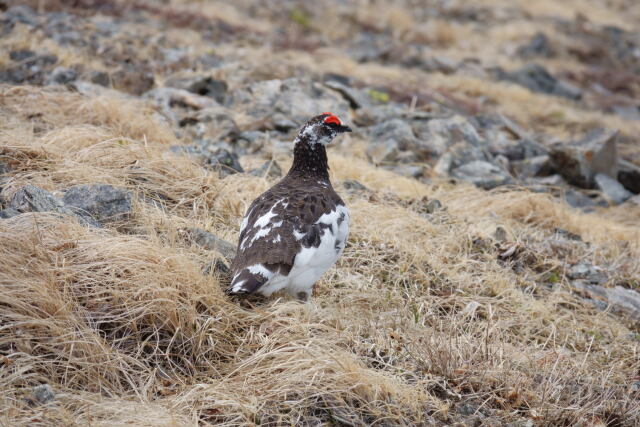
[296,230]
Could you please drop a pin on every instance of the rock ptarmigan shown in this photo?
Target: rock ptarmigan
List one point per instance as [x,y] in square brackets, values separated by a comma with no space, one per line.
[296,230]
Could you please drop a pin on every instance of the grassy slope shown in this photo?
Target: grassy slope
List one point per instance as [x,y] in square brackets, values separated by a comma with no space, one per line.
[419,316]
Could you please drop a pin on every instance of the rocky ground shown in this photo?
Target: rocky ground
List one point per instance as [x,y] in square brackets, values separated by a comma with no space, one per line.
[492,275]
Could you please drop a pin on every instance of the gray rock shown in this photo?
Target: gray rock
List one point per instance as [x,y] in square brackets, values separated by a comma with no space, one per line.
[251,141]
[356,97]
[629,176]
[437,64]
[579,163]
[102,202]
[620,299]
[613,191]
[462,153]
[550,180]
[4,168]
[388,138]
[201,85]
[588,272]
[34,199]
[61,76]
[31,70]
[21,54]
[225,162]
[578,199]
[100,78]
[603,152]
[269,169]
[8,213]
[370,46]
[211,123]
[21,14]
[628,112]
[41,395]
[533,166]
[433,206]
[412,171]
[88,89]
[133,80]
[296,99]
[483,174]
[167,99]
[282,123]
[437,135]
[538,46]
[211,242]
[537,79]
[355,187]
[217,266]
[372,114]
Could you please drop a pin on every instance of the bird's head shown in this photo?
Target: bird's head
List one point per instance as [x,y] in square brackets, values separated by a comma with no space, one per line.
[322,129]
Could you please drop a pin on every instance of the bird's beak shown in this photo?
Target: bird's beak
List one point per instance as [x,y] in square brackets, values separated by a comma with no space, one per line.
[344,128]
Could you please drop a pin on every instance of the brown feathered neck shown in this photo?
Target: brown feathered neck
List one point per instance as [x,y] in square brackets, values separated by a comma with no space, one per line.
[309,159]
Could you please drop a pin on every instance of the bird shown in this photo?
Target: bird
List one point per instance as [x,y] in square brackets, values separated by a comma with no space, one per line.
[295,231]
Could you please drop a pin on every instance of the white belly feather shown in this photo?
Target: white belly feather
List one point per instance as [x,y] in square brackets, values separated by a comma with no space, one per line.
[312,262]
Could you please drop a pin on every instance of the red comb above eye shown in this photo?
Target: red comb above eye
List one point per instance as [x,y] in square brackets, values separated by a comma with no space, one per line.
[332,119]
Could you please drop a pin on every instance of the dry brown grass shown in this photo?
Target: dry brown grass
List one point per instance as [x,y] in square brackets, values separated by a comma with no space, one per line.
[419,316]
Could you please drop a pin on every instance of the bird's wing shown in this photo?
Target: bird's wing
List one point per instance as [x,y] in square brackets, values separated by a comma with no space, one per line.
[276,226]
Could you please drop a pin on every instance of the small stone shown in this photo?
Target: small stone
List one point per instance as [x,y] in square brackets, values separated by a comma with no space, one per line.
[296,99]
[588,272]
[621,299]
[216,266]
[412,171]
[8,213]
[132,80]
[100,78]
[201,85]
[533,166]
[554,180]
[353,186]
[282,123]
[21,54]
[629,176]
[613,191]
[41,395]
[482,174]
[433,206]
[225,162]
[537,79]
[34,199]
[388,139]
[500,234]
[356,98]
[578,199]
[210,242]
[466,409]
[103,202]
[61,76]
[21,14]
[579,162]
[539,46]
